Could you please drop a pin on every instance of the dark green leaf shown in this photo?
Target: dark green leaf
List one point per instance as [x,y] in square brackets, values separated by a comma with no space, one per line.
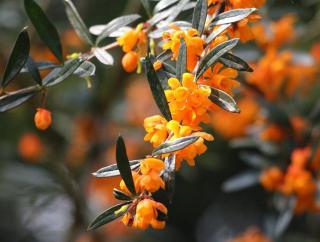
[235,62]
[43,65]
[224,100]
[124,165]
[181,65]
[18,57]
[116,24]
[163,4]
[147,6]
[241,181]
[173,146]
[214,55]
[176,10]
[60,74]
[200,15]
[112,170]
[77,22]
[44,27]
[14,99]
[157,90]
[169,175]
[120,195]
[33,69]
[109,215]
[232,16]
[216,32]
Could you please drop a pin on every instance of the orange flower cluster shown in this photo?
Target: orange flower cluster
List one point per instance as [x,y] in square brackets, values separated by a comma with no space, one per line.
[297,180]
[188,102]
[251,235]
[145,214]
[194,43]
[158,130]
[134,44]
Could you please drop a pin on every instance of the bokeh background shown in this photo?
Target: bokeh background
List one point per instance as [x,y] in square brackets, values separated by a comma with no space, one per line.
[47,192]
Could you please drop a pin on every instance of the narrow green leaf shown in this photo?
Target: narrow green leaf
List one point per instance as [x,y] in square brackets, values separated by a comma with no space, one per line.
[34,71]
[173,146]
[59,74]
[77,22]
[18,57]
[241,181]
[232,16]
[121,195]
[86,69]
[285,217]
[235,62]
[46,30]
[116,24]
[176,10]
[14,99]
[147,6]
[224,100]
[103,56]
[157,90]
[124,165]
[214,55]
[216,32]
[181,65]
[200,15]
[112,170]
[163,4]
[109,215]
[42,65]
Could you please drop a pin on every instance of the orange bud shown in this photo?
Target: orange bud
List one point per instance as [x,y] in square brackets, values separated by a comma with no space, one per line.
[30,147]
[130,61]
[157,65]
[42,119]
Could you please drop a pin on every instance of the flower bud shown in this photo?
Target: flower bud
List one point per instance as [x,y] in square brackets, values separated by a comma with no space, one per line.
[42,119]
[130,61]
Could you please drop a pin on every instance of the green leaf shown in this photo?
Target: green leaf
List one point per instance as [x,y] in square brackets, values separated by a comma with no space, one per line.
[200,15]
[285,217]
[163,4]
[173,146]
[44,27]
[157,90]
[77,22]
[223,100]
[121,195]
[86,69]
[176,10]
[241,181]
[42,65]
[232,16]
[116,24]
[109,215]
[59,74]
[214,55]
[14,99]
[169,175]
[216,32]
[124,165]
[34,71]
[147,6]
[235,62]
[18,57]
[181,65]
[112,170]
[103,56]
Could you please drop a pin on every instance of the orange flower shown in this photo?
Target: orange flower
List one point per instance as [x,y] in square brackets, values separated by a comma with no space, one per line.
[190,152]
[157,65]
[193,42]
[221,78]
[146,215]
[188,103]
[42,119]
[132,38]
[156,129]
[273,133]
[135,177]
[130,61]
[271,178]
[30,147]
